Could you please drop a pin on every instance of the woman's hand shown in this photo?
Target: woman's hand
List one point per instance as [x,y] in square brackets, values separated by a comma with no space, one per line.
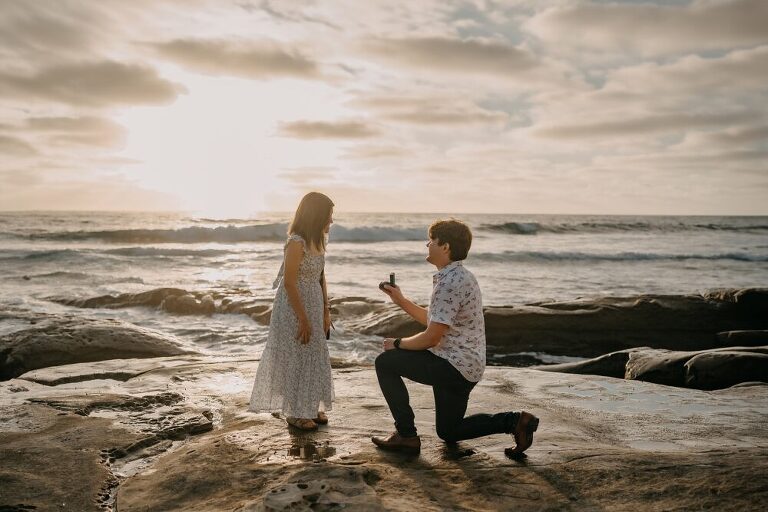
[394,293]
[327,319]
[305,330]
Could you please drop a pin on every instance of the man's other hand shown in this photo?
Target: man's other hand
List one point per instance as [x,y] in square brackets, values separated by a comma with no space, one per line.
[388,344]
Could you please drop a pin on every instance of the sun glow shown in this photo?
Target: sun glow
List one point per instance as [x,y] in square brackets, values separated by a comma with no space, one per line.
[217,149]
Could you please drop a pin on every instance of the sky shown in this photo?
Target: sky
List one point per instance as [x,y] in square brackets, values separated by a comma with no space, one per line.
[231,107]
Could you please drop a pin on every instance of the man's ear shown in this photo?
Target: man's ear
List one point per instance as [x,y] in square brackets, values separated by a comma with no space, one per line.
[447,248]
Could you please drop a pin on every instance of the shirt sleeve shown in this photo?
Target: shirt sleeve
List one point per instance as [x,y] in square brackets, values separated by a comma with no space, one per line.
[444,304]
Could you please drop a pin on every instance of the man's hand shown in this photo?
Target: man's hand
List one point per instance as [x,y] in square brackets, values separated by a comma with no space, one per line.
[394,293]
[388,344]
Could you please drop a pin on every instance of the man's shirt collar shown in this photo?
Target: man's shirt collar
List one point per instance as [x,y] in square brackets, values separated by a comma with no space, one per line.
[446,269]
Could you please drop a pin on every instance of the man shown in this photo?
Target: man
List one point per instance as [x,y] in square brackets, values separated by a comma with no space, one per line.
[449,355]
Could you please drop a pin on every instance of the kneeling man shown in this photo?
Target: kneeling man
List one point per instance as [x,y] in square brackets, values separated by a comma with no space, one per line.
[449,355]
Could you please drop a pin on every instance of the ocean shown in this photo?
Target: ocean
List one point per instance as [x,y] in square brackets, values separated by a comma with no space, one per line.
[516,258]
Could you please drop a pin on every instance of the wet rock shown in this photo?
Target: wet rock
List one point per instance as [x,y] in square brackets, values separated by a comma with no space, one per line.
[150,298]
[69,340]
[658,366]
[720,369]
[608,365]
[671,367]
[598,326]
[744,338]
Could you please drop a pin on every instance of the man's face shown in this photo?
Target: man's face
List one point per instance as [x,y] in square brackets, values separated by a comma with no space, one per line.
[437,254]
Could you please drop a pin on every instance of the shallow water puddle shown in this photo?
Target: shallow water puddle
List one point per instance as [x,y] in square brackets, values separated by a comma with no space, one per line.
[311,451]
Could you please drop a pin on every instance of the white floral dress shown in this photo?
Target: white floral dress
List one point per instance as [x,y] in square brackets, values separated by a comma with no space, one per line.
[292,378]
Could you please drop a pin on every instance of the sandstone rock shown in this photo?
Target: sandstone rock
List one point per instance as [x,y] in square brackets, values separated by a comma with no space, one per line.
[719,369]
[151,298]
[744,338]
[66,341]
[658,366]
[608,365]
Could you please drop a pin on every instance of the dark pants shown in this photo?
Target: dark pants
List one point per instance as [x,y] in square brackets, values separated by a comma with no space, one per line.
[451,391]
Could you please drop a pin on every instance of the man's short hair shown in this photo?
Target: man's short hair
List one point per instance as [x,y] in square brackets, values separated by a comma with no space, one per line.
[455,233]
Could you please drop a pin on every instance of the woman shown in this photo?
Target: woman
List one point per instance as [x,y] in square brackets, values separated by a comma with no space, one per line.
[294,375]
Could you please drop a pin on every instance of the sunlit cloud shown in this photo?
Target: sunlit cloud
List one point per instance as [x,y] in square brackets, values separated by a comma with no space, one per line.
[452,55]
[264,59]
[15,147]
[650,29]
[430,110]
[644,125]
[327,130]
[96,84]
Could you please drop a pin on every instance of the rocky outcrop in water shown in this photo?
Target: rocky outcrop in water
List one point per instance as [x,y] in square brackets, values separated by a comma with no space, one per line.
[709,369]
[178,301]
[59,340]
[585,328]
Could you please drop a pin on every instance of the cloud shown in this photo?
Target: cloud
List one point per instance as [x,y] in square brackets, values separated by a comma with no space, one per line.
[373,152]
[444,54]
[244,59]
[430,110]
[739,71]
[15,147]
[327,130]
[33,29]
[649,29]
[643,125]
[87,131]
[94,84]
[743,136]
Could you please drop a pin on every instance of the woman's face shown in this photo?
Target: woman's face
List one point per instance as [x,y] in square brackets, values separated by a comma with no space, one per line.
[330,221]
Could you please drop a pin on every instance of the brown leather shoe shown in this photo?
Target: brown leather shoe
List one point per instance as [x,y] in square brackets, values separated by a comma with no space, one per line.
[394,442]
[526,426]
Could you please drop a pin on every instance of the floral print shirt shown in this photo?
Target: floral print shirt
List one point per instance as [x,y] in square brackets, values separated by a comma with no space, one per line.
[456,302]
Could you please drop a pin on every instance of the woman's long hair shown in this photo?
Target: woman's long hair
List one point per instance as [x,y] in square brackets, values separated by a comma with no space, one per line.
[311,218]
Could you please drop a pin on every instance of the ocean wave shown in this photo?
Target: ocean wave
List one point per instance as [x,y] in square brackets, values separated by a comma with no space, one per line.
[376,234]
[533,228]
[157,251]
[533,256]
[194,234]
[76,276]
[230,234]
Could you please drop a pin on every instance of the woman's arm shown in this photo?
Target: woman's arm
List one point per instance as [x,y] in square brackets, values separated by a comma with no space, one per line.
[294,253]
[326,304]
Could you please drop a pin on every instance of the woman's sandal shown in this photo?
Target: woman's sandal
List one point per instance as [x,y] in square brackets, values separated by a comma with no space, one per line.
[321,419]
[527,425]
[302,423]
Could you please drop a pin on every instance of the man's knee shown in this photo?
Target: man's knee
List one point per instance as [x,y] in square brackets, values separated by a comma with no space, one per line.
[383,361]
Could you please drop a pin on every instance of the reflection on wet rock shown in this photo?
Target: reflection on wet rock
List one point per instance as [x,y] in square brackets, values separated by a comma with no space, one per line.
[311,451]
